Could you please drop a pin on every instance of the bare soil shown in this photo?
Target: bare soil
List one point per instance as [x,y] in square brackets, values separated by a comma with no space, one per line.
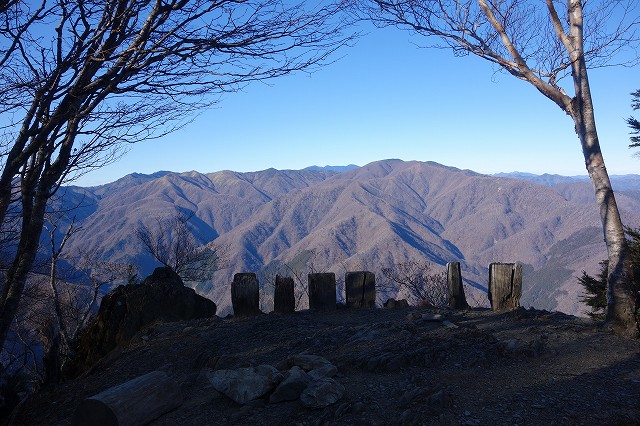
[399,366]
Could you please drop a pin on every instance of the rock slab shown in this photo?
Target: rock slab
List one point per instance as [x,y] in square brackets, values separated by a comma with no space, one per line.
[321,393]
[245,384]
[295,382]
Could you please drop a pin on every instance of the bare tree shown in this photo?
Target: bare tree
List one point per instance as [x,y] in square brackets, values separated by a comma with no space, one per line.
[419,281]
[72,286]
[60,296]
[172,243]
[541,42]
[75,293]
[80,80]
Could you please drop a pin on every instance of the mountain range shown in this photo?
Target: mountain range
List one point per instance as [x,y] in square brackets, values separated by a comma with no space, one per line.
[363,218]
[619,182]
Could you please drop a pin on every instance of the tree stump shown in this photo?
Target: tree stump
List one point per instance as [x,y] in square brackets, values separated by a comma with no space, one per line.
[135,402]
[322,291]
[457,299]
[245,294]
[284,300]
[505,286]
[360,288]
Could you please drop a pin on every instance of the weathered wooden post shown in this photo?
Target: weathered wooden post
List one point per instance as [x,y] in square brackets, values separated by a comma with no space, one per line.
[457,299]
[135,402]
[284,300]
[505,286]
[245,294]
[322,291]
[360,288]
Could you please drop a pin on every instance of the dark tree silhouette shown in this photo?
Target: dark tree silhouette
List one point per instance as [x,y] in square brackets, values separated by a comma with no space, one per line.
[595,288]
[633,122]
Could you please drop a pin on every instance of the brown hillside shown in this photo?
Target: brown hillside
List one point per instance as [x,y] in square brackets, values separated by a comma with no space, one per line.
[367,218]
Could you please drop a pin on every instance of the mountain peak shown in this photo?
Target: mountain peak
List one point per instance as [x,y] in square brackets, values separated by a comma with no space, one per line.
[339,169]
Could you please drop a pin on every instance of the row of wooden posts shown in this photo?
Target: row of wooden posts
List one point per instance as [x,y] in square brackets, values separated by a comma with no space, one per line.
[505,288]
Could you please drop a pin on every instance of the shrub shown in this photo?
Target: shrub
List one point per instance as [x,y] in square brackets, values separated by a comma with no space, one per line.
[595,288]
[419,281]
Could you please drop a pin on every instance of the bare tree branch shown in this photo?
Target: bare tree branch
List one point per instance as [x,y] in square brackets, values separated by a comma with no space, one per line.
[542,43]
[172,243]
[418,281]
[81,80]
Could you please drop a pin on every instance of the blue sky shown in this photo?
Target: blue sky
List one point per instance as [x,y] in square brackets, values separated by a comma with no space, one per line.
[387,98]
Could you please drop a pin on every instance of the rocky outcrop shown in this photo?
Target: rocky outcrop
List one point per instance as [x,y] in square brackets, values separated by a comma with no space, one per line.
[162,297]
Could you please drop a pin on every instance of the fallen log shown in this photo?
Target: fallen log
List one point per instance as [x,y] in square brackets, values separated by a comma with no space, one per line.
[132,403]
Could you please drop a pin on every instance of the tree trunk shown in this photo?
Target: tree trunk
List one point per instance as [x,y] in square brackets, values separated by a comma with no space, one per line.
[322,291]
[457,299]
[505,286]
[360,289]
[16,278]
[38,181]
[245,294]
[621,298]
[284,300]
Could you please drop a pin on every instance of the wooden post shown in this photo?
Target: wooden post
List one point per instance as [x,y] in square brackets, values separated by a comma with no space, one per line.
[135,402]
[322,291]
[457,299]
[284,300]
[360,288]
[245,294]
[505,286]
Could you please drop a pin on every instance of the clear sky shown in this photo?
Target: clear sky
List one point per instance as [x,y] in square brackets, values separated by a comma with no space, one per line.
[387,98]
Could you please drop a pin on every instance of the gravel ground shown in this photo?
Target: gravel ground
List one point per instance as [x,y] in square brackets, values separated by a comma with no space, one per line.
[408,366]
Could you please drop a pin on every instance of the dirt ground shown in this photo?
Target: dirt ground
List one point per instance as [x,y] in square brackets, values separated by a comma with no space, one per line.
[398,366]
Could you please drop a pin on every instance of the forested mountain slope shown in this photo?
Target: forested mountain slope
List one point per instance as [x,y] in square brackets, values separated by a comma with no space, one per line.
[365,218]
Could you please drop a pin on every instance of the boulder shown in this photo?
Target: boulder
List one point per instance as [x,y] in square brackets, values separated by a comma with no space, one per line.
[245,384]
[321,393]
[308,362]
[126,310]
[164,276]
[294,383]
[328,370]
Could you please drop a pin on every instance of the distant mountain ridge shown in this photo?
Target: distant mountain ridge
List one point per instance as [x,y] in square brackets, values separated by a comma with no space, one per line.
[366,217]
[339,169]
[619,182]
